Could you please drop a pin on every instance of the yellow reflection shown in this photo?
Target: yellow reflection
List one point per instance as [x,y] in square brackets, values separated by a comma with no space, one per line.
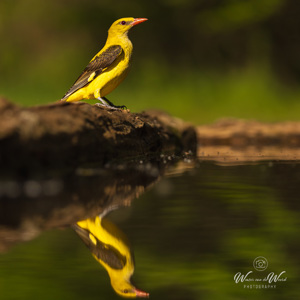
[111,249]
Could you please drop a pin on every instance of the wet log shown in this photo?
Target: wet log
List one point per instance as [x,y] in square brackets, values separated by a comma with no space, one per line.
[63,135]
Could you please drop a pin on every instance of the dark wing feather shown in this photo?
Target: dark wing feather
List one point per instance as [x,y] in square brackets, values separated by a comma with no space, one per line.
[96,66]
[106,253]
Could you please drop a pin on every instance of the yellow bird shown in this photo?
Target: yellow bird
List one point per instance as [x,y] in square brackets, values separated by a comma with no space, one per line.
[111,249]
[108,68]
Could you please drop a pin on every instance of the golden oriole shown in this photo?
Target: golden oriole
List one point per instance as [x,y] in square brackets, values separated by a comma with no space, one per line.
[111,249]
[108,68]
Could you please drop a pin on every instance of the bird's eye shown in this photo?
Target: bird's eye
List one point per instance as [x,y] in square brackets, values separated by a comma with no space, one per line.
[123,22]
[125,291]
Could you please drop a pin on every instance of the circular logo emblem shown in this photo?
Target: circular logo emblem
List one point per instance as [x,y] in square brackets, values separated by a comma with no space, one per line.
[260,263]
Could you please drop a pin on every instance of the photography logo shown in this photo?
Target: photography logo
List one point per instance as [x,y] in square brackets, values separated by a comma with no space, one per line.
[260,263]
[255,279]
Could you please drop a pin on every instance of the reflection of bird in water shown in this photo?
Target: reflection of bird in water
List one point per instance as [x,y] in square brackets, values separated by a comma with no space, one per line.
[110,248]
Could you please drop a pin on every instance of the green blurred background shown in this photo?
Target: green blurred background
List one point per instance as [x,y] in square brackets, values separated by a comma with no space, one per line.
[199,60]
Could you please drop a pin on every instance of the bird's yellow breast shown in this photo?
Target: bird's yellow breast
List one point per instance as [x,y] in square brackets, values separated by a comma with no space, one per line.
[104,83]
[108,80]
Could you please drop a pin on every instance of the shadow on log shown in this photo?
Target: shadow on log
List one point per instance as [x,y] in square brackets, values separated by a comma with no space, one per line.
[64,134]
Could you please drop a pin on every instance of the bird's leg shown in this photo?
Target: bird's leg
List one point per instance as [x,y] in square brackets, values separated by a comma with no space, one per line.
[108,209]
[105,102]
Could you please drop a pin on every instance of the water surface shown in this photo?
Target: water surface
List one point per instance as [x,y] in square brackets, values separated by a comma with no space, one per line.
[192,227]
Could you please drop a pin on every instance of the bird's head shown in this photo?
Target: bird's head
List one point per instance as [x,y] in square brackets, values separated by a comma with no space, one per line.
[126,289]
[123,25]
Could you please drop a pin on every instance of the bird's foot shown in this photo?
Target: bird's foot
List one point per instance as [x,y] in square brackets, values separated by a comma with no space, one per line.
[105,102]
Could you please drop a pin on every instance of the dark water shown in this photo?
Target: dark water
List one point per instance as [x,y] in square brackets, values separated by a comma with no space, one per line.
[196,227]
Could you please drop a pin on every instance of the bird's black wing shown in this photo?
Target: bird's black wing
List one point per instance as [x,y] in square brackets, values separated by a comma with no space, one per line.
[94,68]
[103,252]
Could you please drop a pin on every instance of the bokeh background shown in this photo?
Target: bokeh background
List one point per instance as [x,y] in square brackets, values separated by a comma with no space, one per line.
[200,60]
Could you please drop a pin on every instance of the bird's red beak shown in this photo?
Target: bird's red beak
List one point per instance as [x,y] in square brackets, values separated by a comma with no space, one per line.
[140,293]
[138,21]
